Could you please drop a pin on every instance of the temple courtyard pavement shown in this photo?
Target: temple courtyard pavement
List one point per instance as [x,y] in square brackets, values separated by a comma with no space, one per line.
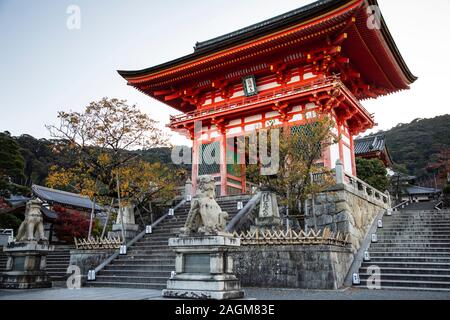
[251,294]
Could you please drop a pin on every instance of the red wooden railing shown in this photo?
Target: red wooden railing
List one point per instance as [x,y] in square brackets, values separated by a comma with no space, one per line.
[276,94]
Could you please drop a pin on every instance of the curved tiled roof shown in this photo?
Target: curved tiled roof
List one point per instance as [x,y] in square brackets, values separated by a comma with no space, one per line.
[370,144]
[63,197]
[283,21]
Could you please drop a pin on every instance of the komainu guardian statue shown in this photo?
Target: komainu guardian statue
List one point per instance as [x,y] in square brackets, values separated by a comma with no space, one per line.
[205,217]
[32,228]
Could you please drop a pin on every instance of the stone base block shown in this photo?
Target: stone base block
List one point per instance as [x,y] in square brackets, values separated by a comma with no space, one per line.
[203,295]
[25,280]
[204,268]
[26,265]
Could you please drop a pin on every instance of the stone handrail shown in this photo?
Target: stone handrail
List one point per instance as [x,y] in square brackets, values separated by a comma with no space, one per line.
[136,239]
[249,102]
[401,205]
[343,177]
[439,204]
[365,245]
[244,212]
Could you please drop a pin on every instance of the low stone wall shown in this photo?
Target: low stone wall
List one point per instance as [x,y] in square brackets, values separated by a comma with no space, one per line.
[302,267]
[88,260]
[346,209]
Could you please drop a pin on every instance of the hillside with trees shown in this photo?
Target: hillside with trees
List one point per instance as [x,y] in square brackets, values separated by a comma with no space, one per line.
[418,146]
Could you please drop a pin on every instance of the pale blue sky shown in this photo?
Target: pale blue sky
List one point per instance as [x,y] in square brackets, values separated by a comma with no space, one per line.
[44,67]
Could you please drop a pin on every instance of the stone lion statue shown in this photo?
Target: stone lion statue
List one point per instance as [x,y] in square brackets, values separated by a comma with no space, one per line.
[32,228]
[205,216]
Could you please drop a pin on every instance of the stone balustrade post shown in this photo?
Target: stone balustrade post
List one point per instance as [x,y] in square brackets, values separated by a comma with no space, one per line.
[340,176]
[188,188]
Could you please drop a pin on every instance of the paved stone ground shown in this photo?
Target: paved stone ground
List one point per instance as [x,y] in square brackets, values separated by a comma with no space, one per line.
[251,294]
[346,294]
[80,294]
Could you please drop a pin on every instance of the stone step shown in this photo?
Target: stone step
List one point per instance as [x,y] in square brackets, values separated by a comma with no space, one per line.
[149,262]
[131,285]
[430,220]
[418,229]
[445,219]
[413,233]
[421,285]
[152,241]
[132,279]
[150,247]
[58,265]
[62,256]
[143,249]
[388,238]
[409,249]
[417,217]
[407,264]
[137,267]
[136,273]
[52,268]
[152,256]
[410,277]
[408,253]
[151,244]
[58,274]
[385,287]
[410,259]
[139,252]
[416,226]
[406,241]
[417,220]
[421,244]
[389,270]
[157,238]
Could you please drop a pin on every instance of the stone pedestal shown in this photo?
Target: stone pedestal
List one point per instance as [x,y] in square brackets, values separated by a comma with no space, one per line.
[130,231]
[26,266]
[125,216]
[269,215]
[204,268]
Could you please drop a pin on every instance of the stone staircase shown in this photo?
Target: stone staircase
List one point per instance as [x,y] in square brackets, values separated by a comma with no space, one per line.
[413,250]
[149,262]
[2,260]
[57,263]
[421,206]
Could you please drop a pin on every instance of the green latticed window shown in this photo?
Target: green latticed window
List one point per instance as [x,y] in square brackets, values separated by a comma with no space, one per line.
[303,132]
[233,156]
[209,159]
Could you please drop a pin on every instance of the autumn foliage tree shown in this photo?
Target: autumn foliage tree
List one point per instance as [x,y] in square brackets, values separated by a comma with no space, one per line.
[104,143]
[300,152]
[72,224]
